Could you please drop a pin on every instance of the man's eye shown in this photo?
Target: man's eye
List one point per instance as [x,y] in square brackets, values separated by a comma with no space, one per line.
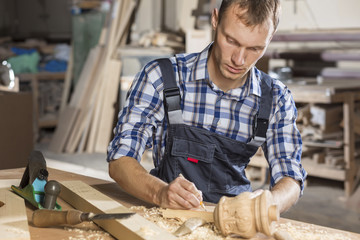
[255,50]
[230,41]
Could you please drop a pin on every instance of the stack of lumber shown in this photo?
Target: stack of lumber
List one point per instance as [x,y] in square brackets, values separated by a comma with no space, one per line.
[321,130]
[85,123]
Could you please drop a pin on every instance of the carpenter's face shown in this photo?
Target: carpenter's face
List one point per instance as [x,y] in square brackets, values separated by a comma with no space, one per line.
[238,47]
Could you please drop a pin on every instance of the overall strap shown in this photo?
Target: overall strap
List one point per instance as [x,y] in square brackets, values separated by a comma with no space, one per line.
[171,92]
[261,121]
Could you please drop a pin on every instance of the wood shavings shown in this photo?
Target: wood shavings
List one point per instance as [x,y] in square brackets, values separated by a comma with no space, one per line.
[309,231]
[17,231]
[207,231]
[87,234]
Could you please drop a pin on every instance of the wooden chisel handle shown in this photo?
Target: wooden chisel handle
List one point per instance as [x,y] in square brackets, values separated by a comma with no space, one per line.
[48,218]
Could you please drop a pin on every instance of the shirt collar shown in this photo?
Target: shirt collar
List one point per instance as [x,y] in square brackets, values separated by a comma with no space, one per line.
[200,71]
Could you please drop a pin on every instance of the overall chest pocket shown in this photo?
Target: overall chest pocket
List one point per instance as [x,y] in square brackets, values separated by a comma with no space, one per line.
[195,161]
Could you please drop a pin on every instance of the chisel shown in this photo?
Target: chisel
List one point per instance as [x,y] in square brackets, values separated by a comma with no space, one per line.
[48,218]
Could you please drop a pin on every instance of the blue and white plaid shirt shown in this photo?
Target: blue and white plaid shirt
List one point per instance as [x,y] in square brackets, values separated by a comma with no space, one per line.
[142,123]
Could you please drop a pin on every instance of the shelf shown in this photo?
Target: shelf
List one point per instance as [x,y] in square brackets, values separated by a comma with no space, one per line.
[322,170]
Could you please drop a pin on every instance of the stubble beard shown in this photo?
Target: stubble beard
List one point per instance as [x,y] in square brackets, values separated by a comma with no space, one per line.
[232,77]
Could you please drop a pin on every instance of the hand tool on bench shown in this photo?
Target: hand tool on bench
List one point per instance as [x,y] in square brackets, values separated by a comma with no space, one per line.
[50,218]
[189,226]
[34,186]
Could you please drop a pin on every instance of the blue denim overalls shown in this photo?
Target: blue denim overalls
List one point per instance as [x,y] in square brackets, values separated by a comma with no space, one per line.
[214,163]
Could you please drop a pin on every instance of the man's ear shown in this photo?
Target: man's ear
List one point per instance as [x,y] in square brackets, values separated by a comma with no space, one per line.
[214,18]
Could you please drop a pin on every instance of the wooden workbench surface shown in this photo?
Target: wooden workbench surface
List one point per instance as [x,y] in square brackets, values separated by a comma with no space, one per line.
[111,189]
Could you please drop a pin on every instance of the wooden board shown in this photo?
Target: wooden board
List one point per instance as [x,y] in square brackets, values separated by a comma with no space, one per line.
[83,92]
[112,76]
[186,214]
[322,170]
[63,129]
[85,198]
[83,84]
[67,80]
[6,183]
[94,129]
[13,219]
[332,91]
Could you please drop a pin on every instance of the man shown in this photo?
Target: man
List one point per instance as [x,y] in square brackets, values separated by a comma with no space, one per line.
[228,109]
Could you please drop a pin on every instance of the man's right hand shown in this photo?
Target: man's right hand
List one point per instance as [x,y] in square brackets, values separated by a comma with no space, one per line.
[134,179]
[180,194]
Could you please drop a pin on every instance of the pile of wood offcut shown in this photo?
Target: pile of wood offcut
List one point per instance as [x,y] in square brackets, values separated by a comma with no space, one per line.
[86,122]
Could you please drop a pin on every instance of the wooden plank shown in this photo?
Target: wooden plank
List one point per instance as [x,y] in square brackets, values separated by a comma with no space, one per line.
[86,131]
[84,104]
[125,13]
[112,76]
[325,143]
[329,85]
[322,170]
[87,72]
[78,127]
[67,81]
[44,76]
[13,218]
[63,129]
[6,183]
[89,119]
[85,198]
[90,147]
[69,117]
[186,214]
[103,81]
[327,92]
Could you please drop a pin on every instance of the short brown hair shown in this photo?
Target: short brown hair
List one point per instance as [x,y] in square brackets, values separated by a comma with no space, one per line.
[258,11]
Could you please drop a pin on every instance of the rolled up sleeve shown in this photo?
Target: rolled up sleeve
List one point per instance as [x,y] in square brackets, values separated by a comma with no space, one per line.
[137,120]
[284,144]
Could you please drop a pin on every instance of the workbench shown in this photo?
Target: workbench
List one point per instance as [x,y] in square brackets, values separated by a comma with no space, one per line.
[112,190]
[330,91]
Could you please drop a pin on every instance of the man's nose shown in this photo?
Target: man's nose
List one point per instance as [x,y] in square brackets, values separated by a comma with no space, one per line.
[238,57]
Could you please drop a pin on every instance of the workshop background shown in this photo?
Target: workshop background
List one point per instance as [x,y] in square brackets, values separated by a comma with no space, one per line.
[66,67]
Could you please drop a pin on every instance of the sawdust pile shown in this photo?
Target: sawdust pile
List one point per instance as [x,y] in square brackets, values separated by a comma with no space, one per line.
[207,231]
[88,234]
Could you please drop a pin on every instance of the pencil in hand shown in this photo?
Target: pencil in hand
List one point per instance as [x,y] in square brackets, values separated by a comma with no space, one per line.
[201,202]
